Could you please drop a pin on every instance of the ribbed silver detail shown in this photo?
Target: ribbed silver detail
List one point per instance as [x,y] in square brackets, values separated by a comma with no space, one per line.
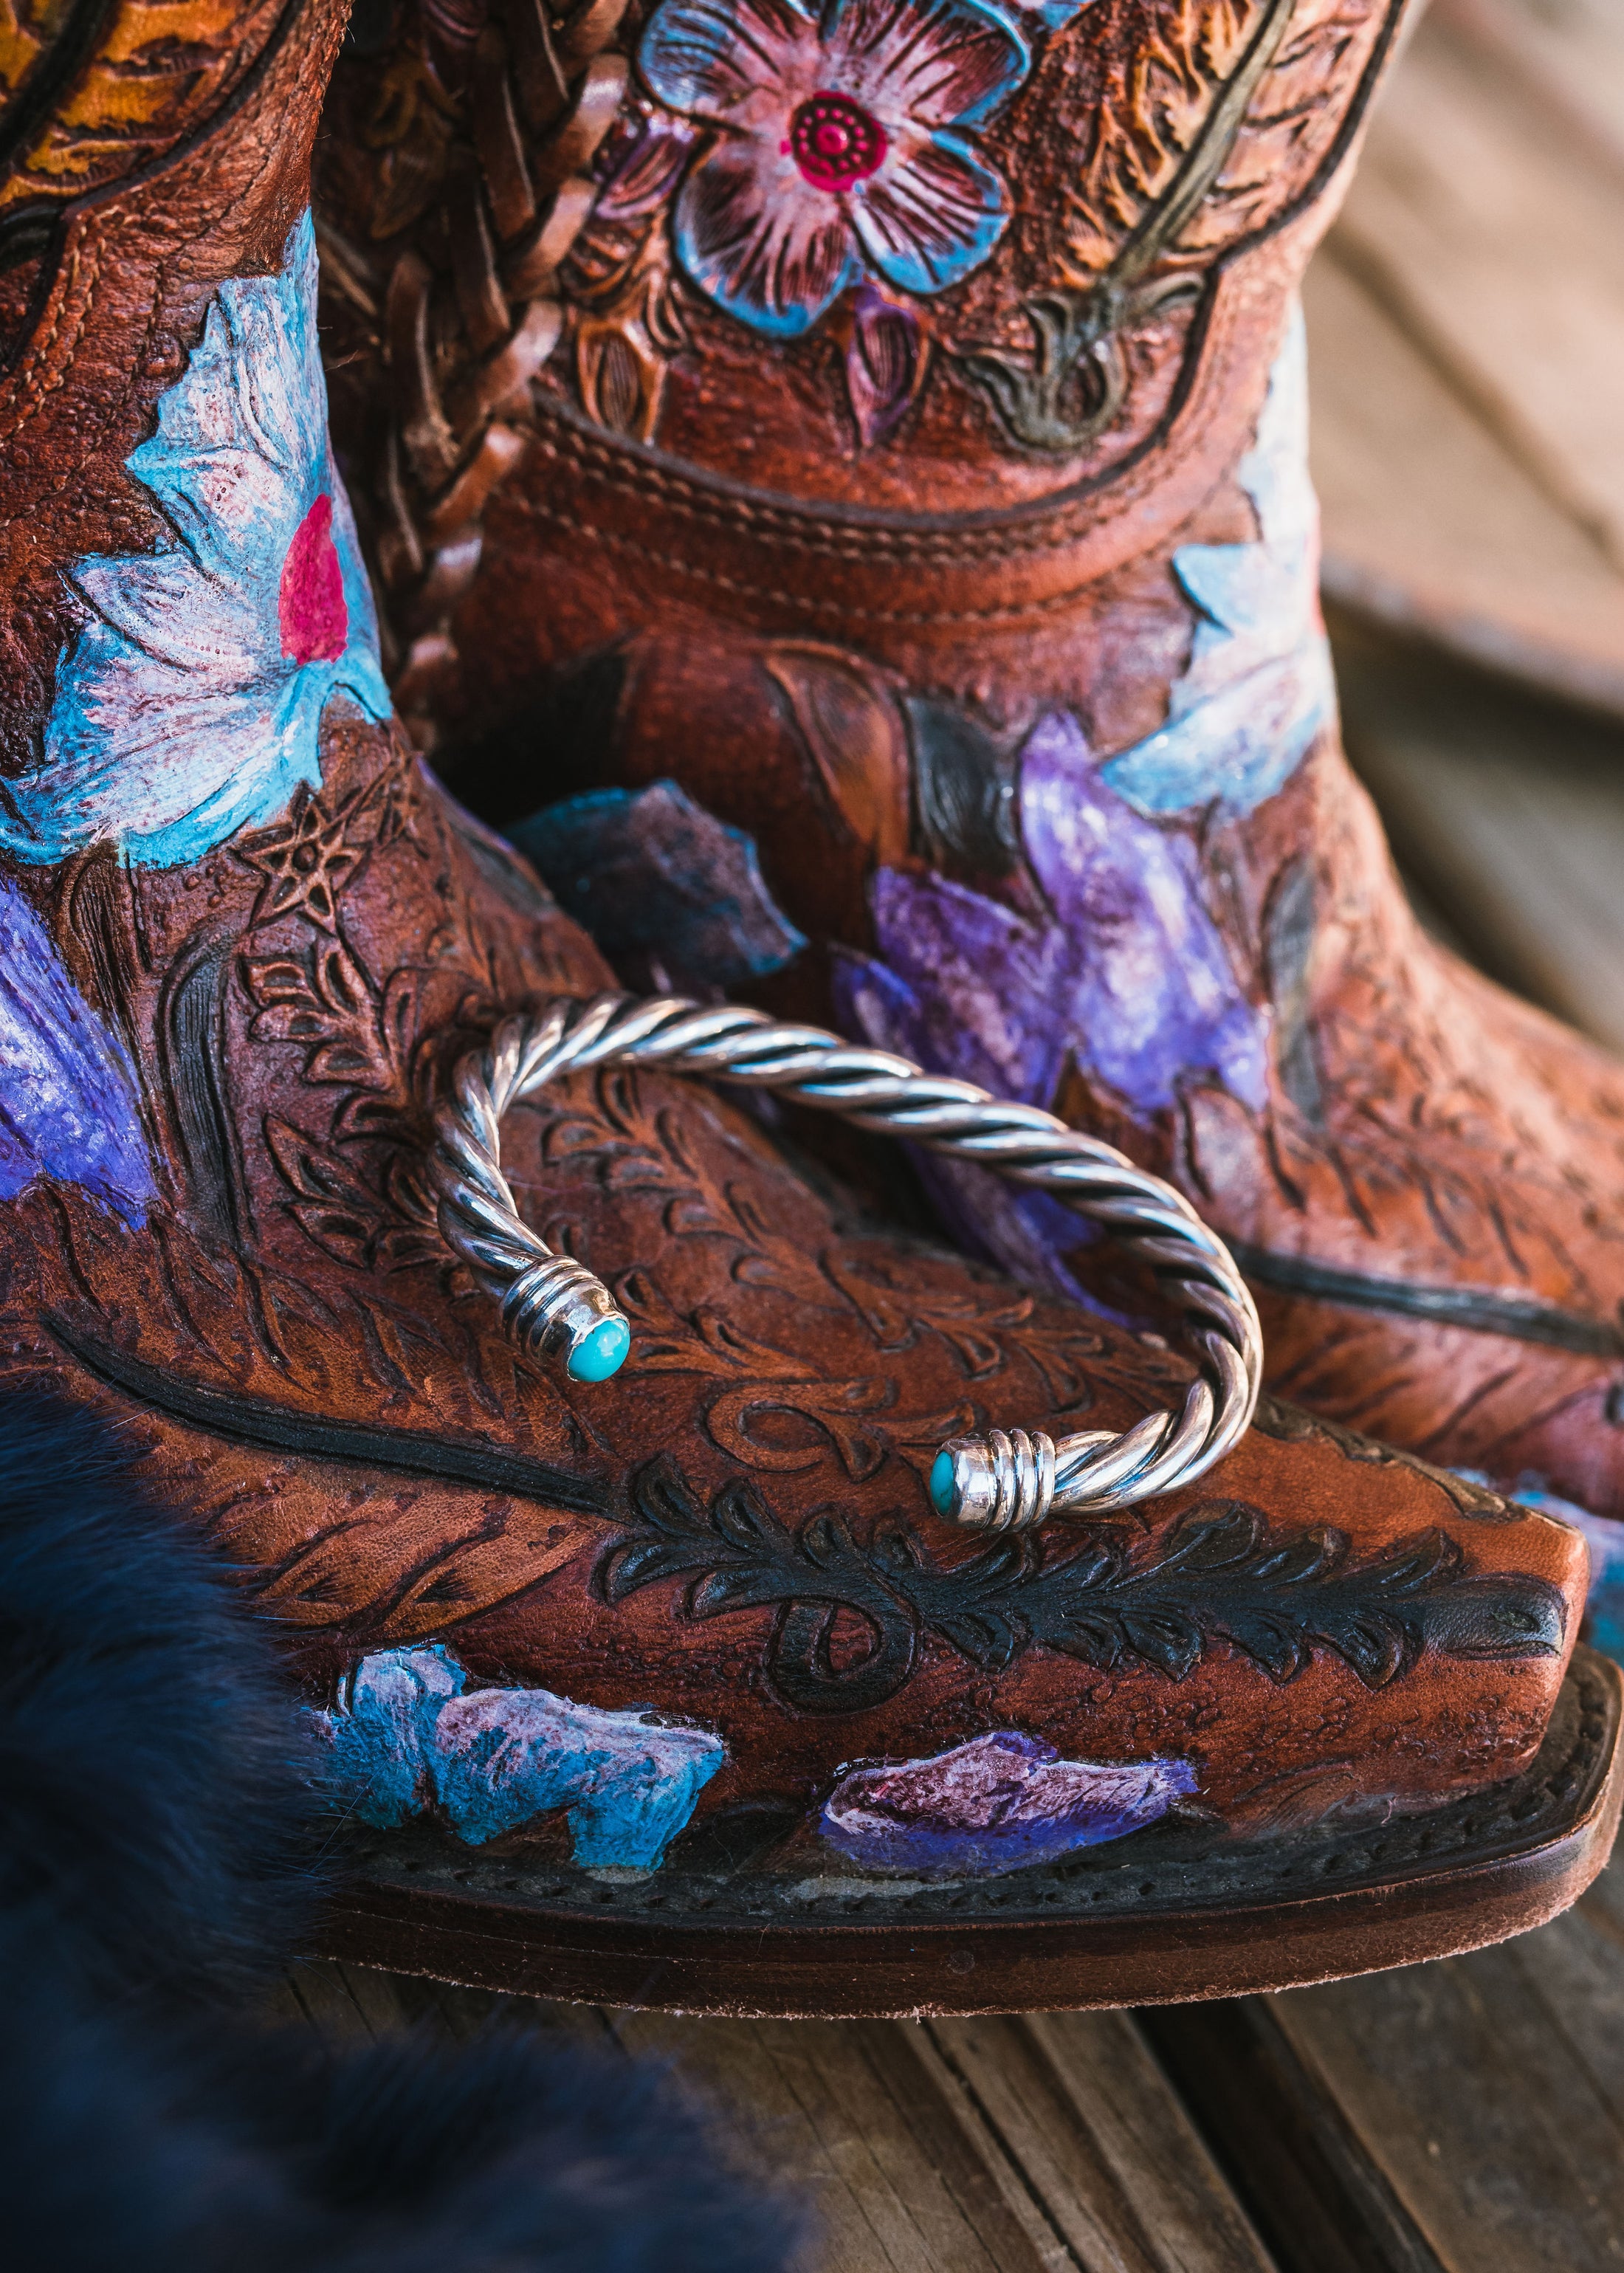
[1003,1481]
[553,1305]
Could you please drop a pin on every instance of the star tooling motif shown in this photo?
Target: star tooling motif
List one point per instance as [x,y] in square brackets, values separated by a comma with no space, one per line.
[306,863]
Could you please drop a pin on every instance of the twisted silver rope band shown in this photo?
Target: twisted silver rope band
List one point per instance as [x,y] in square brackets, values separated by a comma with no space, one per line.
[553,1306]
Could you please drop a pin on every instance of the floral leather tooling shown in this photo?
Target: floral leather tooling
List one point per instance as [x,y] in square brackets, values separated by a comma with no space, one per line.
[888,424]
[250,937]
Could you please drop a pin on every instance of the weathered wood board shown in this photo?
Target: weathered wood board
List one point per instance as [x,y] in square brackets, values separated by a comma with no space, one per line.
[1020,2145]
[1467,2117]
[1466,335]
[1508,812]
[1460,2118]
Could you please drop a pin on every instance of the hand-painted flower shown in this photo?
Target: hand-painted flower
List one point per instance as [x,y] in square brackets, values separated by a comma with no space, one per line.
[409,1734]
[1127,977]
[1259,686]
[189,705]
[1003,1802]
[836,151]
[70,1104]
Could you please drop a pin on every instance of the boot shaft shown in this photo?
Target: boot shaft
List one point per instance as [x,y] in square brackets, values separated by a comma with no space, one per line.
[892,428]
[946,397]
[112,270]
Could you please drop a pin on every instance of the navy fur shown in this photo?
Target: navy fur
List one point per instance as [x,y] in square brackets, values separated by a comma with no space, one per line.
[159,1819]
[157,1791]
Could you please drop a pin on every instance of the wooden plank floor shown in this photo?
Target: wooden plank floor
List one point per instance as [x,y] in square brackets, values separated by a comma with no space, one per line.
[1459,2117]
[1506,812]
[1466,345]
[1033,2144]
[1465,2116]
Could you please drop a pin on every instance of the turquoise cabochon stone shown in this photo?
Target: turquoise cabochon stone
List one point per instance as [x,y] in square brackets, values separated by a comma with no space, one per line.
[603,1352]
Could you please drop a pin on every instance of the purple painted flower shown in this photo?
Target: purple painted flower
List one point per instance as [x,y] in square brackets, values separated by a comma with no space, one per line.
[987,981]
[1129,976]
[69,1105]
[838,149]
[1030,1234]
[1002,1803]
[1152,993]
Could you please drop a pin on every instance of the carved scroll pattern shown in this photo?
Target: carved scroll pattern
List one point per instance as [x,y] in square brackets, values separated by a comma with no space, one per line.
[1208,129]
[1220,1574]
[804,1370]
[370,1348]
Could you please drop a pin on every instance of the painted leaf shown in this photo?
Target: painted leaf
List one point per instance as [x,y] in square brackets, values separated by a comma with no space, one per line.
[1219,1574]
[655,878]
[1289,125]
[850,721]
[886,357]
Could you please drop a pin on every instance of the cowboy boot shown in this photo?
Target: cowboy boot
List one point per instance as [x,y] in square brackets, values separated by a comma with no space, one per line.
[278,1058]
[890,426]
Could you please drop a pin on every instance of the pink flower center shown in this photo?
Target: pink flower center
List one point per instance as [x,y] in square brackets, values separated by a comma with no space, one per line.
[314,618]
[834,142]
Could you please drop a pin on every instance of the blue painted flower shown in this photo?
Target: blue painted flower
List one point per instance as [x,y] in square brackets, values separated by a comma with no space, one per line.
[189,705]
[410,1735]
[837,150]
[1259,686]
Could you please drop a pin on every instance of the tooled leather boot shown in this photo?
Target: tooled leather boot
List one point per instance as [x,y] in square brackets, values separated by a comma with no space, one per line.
[909,462]
[597,1645]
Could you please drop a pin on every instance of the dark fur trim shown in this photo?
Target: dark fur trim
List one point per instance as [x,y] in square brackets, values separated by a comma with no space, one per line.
[263,2155]
[157,1788]
[158,1809]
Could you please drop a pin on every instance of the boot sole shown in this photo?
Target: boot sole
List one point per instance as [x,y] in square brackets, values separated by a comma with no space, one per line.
[747,1917]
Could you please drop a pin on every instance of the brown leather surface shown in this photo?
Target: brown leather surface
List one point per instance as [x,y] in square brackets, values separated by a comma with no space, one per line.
[93,93]
[736,1529]
[128,278]
[1319,1906]
[791,1374]
[655,603]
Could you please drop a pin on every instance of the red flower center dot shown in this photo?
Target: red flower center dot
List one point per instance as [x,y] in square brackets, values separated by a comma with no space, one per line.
[315,621]
[834,141]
